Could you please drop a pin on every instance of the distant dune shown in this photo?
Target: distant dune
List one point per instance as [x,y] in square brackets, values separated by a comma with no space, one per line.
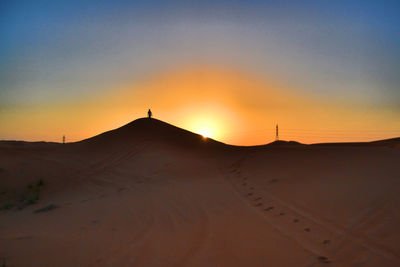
[152,194]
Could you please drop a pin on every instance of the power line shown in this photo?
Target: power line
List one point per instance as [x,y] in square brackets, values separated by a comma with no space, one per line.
[315,131]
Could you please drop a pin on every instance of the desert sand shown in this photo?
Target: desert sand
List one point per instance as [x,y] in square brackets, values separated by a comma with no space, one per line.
[151,194]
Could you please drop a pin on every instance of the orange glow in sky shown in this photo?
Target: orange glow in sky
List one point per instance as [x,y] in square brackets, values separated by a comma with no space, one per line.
[227,105]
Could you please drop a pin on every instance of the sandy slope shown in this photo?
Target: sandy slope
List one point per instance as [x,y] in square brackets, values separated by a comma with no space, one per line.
[149,194]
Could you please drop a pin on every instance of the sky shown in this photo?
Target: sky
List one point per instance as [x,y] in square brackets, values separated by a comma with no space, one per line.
[324,71]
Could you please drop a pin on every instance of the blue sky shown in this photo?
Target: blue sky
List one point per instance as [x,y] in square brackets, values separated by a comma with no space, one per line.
[342,50]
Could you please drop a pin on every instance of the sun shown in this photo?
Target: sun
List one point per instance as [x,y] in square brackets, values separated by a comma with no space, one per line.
[207,120]
[205,132]
[206,127]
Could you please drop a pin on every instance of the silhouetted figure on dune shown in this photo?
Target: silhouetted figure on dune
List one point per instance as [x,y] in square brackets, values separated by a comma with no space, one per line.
[149,113]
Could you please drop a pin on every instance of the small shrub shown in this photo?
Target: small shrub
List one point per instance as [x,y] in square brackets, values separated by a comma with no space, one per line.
[7,206]
[31,194]
[29,198]
[40,182]
[47,208]
[31,201]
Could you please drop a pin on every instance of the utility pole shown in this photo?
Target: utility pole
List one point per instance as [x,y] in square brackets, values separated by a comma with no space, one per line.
[277,133]
[63,139]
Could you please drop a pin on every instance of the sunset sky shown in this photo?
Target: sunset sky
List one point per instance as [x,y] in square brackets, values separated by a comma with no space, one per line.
[324,71]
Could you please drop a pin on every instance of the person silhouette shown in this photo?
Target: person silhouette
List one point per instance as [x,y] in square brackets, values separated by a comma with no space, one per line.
[149,113]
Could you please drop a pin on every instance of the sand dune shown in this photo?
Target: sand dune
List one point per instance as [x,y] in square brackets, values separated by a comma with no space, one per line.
[151,194]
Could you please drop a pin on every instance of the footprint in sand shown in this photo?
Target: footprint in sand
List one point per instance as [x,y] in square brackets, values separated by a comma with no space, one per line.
[250,194]
[326,242]
[281,214]
[257,198]
[251,188]
[269,208]
[244,184]
[307,229]
[323,259]
[273,181]
[258,204]
[296,220]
